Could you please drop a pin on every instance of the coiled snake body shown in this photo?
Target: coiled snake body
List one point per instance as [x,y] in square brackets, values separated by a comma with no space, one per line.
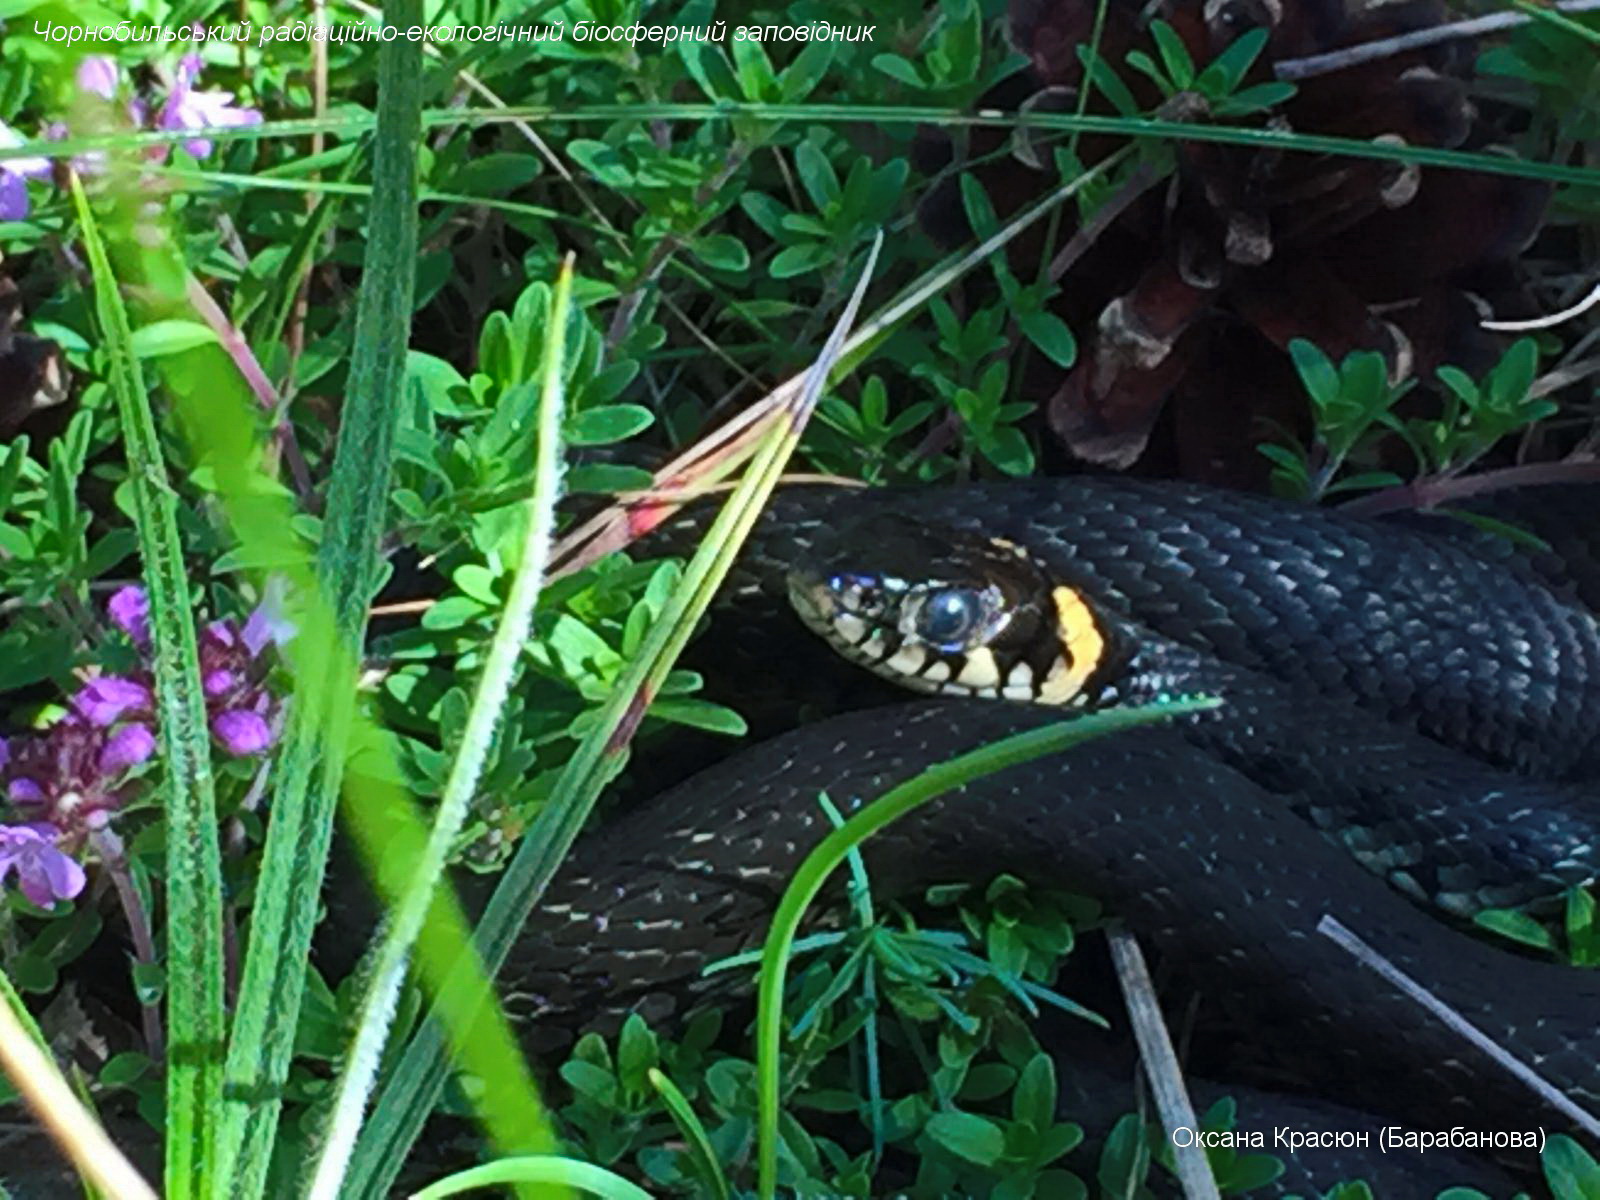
[1418,692]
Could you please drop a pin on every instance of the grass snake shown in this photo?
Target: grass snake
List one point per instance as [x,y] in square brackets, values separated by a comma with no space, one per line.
[1414,690]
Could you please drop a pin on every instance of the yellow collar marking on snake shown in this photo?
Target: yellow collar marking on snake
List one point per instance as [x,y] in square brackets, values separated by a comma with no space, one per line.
[1082,648]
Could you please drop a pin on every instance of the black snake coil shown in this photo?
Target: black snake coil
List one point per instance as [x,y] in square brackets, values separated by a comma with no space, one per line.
[1423,693]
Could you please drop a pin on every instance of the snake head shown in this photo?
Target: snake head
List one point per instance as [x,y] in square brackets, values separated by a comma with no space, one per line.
[950,611]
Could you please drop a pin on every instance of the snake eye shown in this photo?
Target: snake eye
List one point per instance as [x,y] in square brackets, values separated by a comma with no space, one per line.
[948,617]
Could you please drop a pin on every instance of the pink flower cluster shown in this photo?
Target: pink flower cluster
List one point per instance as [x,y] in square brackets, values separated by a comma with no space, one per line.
[69,779]
[185,107]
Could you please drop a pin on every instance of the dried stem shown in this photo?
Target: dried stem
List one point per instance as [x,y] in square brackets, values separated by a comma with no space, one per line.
[115,860]
[1292,69]
[1161,1064]
[1331,927]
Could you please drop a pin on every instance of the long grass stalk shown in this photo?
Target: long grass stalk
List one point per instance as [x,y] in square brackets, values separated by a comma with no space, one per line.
[537,1169]
[1137,128]
[196,1021]
[313,758]
[224,430]
[406,917]
[414,1087]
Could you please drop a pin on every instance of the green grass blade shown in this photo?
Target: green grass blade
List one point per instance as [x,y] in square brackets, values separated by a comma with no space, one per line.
[1139,128]
[196,1022]
[414,1088]
[223,425]
[407,916]
[826,856]
[537,1169]
[683,1116]
[313,756]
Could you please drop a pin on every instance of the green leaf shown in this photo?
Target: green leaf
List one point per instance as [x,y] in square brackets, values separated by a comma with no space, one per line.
[196,1018]
[1317,372]
[437,379]
[1051,335]
[802,75]
[1364,376]
[757,79]
[1229,68]
[980,212]
[1108,82]
[976,1139]
[496,174]
[636,1053]
[1513,375]
[123,1070]
[1146,66]
[1364,481]
[708,67]
[537,1168]
[1571,1171]
[817,176]
[170,337]
[1174,54]
[1034,1100]
[607,424]
[899,69]
[1518,926]
[1255,98]
[722,251]
[311,762]
[607,478]
[799,260]
[1251,1171]
[706,1164]
[1008,449]
[600,160]
[700,714]
[765,212]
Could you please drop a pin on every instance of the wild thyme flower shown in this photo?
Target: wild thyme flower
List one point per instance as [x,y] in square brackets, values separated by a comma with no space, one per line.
[187,108]
[14,176]
[106,699]
[45,872]
[71,775]
[99,75]
[129,610]
[234,666]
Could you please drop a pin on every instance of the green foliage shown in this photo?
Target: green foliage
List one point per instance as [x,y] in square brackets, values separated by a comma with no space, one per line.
[711,253]
[1577,940]
[1352,408]
[1570,1170]
[1218,83]
[1354,413]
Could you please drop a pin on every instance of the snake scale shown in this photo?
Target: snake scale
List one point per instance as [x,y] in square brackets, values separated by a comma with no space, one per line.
[1413,690]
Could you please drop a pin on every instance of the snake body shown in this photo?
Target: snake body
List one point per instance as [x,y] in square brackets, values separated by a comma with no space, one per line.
[1421,693]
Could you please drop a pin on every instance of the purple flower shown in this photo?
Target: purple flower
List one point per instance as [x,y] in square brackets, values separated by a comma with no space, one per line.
[233,671]
[268,622]
[187,108]
[99,75]
[242,733]
[106,699]
[129,610]
[126,748]
[44,872]
[14,174]
[70,774]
